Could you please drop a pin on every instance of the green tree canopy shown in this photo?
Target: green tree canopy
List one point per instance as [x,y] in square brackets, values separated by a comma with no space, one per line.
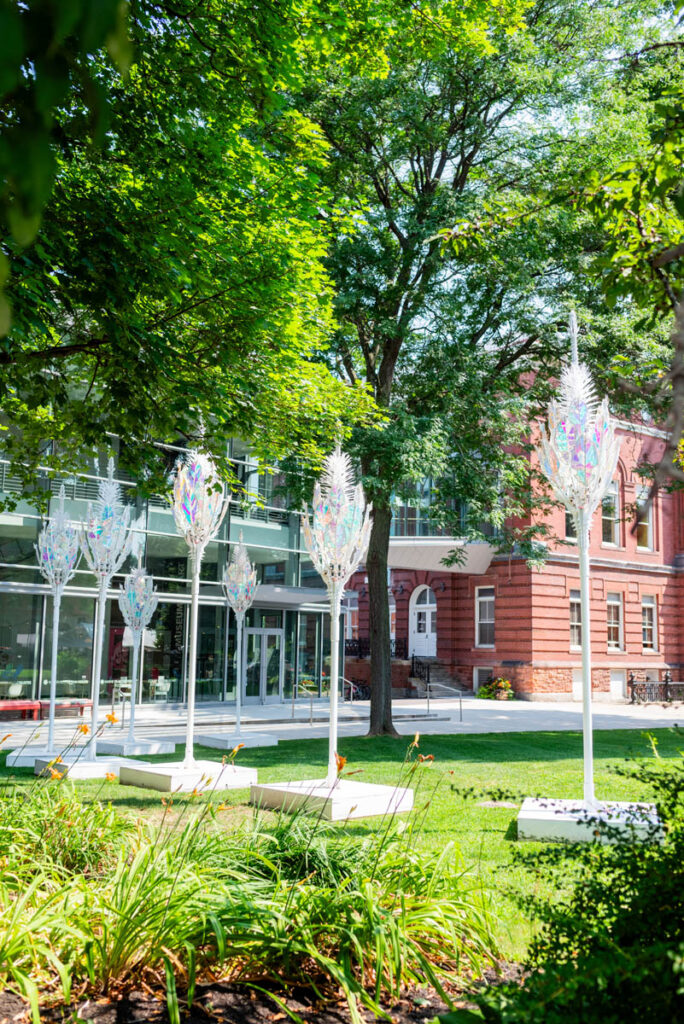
[459,343]
[177,277]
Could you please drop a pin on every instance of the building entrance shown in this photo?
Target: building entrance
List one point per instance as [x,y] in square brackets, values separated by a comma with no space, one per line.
[264,662]
[423,623]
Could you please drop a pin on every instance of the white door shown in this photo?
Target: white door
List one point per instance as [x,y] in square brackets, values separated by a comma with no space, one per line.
[618,684]
[577,684]
[423,623]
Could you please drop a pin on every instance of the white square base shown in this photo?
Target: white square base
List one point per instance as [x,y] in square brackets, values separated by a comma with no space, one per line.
[574,821]
[135,748]
[84,769]
[174,778]
[27,757]
[231,740]
[345,799]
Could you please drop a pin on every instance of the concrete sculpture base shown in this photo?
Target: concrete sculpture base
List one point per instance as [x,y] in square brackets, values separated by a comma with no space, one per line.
[345,799]
[204,776]
[230,740]
[574,821]
[81,768]
[136,748]
[27,757]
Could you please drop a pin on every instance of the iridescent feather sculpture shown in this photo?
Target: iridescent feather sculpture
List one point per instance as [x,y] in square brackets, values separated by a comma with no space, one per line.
[240,579]
[580,451]
[337,539]
[199,505]
[106,538]
[199,502]
[106,541]
[239,586]
[137,603]
[58,551]
[578,456]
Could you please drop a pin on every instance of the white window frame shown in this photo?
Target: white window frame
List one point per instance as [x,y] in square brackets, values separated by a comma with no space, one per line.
[480,598]
[570,538]
[650,601]
[576,603]
[476,671]
[614,600]
[642,495]
[614,493]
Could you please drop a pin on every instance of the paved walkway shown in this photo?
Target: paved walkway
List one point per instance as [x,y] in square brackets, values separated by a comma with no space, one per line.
[479,716]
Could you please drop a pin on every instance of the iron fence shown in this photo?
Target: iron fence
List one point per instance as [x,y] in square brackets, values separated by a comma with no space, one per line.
[651,691]
[359,647]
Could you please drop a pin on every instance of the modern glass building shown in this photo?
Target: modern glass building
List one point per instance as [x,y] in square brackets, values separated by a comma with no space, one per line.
[287,631]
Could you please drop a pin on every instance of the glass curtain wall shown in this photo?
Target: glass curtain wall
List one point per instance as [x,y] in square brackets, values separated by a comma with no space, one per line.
[20,641]
[271,532]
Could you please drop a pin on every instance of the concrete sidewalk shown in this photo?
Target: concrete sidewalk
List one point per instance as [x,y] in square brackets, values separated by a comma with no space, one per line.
[479,716]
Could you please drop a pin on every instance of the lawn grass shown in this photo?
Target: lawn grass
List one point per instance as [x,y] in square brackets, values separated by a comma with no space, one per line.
[529,764]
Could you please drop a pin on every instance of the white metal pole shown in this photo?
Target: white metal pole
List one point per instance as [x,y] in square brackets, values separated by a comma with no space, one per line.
[141,671]
[192,666]
[239,671]
[97,666]
[335,609]
[583,546]
[134,684]
[56,601]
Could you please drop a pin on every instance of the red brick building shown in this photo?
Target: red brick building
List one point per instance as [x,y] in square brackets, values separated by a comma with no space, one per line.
[494,615]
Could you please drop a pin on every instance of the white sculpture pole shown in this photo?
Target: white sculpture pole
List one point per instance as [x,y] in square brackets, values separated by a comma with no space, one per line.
[58,553]
[106,543]
[239,585]
[578,456]
[137,602]
[337,540]
[199,505]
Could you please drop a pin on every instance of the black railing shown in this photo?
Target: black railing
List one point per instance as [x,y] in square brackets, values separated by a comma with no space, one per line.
[399,648]
[420,669]
[359,647]
[650,691]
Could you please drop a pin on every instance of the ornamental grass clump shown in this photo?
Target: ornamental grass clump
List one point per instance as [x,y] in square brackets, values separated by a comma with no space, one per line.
[49,825]
[104,904]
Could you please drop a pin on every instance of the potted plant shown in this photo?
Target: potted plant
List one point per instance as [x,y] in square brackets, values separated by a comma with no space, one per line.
[497,689]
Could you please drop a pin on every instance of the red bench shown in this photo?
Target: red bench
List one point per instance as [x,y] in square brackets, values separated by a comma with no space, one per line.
[28,708]
[65,705]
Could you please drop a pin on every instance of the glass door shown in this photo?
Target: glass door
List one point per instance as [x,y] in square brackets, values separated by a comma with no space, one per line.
[264,650]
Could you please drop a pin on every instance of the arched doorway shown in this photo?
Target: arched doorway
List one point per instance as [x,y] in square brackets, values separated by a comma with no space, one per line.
[423,623]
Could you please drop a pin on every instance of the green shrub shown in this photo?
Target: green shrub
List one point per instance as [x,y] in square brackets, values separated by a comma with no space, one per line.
[611,951]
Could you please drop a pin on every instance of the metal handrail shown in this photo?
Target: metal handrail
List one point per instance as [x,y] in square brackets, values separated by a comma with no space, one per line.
[296,689]
[450,689]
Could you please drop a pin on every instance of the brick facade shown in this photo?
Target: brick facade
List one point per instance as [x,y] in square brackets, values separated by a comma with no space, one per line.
[532,608]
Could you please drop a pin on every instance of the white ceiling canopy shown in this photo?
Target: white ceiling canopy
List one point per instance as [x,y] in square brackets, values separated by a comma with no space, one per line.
[428,552]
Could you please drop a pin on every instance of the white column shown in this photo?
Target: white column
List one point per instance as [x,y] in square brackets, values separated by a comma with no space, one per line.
[56,601]
[335,610]
[239,670]
[583,546]
[192,666]
[97,667]
[134,683]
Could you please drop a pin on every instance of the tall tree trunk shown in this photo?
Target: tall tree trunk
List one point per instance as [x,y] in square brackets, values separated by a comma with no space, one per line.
[380,658]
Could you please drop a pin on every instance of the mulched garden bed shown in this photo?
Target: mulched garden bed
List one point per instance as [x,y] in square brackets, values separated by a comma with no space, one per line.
[218,1003]
[224,1002]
